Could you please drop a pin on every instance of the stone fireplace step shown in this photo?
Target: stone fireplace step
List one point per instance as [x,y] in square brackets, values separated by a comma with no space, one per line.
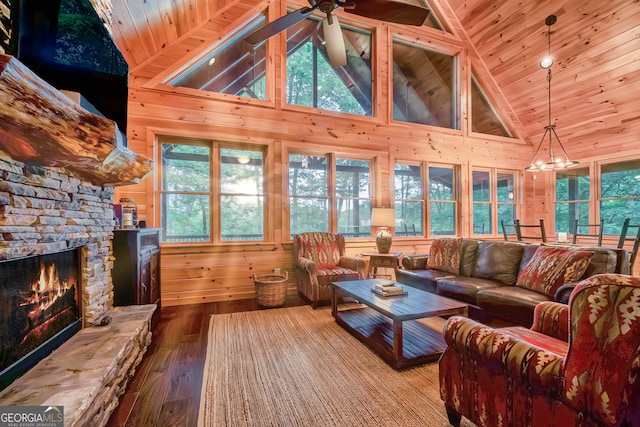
[88,373]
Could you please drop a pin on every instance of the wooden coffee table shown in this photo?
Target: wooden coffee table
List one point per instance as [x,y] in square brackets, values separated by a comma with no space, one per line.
[388,326]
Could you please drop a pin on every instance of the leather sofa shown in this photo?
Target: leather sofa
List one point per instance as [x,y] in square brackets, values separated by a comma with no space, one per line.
[488,274]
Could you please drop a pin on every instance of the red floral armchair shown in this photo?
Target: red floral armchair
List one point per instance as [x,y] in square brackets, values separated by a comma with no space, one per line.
[320,259]
[579,365]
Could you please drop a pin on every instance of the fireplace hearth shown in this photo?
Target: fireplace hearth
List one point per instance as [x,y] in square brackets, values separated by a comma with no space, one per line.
[40,308]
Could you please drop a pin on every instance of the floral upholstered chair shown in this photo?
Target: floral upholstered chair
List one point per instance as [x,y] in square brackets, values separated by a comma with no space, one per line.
[579,365]
[320,259]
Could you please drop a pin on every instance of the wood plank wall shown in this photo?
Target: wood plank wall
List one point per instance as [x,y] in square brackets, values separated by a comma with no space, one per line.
[204,273]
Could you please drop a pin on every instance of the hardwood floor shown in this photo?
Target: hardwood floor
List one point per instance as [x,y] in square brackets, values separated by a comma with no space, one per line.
[165,390]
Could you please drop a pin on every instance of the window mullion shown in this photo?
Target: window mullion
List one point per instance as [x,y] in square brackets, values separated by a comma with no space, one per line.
[214,193]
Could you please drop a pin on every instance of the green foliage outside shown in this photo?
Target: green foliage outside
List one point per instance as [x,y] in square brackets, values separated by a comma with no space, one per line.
[81,40]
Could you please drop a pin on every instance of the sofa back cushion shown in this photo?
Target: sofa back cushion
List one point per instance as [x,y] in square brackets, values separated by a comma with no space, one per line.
[445,254]
[468,259]
[498,261]
[551,267]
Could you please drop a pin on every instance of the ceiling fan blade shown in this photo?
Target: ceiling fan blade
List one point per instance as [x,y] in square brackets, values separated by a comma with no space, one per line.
[279,25]
[334,42]
[388,11]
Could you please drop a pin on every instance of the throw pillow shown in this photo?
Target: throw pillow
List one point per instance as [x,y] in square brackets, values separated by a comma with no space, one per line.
[444,255]
[551,267]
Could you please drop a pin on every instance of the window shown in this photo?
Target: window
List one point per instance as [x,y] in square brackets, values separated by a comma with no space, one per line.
[231,68]
[310,195]
[619,194]
[193,210]
[409,203]
[241,195]
[573,192]
[424,87]
[483,117]
[353,196]
[312,82]
[442,200]
[493,196]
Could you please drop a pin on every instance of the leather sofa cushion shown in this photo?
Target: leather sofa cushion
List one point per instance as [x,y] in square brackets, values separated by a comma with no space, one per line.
[445,254]
[468,258]
[463,288]
[421,279]
[512,302]
[498,261]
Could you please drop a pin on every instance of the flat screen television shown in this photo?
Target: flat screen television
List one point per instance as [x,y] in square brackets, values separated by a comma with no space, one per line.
[65,43]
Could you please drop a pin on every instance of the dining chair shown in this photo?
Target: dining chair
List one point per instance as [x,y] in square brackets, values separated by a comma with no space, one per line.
[630,233]
[513,230]
[598,228]
[518,226]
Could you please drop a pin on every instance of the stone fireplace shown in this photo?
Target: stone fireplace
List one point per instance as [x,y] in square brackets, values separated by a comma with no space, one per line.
[59,166]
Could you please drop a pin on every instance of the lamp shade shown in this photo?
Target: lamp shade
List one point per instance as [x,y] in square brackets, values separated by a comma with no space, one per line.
[383,217]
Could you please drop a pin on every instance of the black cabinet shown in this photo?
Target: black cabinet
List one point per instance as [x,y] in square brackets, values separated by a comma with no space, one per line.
[136,267]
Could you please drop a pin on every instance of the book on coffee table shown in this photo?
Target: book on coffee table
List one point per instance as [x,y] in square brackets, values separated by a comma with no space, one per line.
[388,290]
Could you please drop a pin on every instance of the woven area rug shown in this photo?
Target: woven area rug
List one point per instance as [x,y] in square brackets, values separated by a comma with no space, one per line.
[297,367]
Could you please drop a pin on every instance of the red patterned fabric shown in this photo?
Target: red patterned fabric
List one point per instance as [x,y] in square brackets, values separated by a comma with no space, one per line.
[528,378]
[320,259]
[603,366]
[444,255]
[552,267]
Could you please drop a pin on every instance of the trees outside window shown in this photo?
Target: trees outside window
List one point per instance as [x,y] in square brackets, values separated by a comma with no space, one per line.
[440,186]
[619,194]
[241,195]
[409,200]
[573,192]
[443,201]
[494,200]
[193,209]
[316,205]
[312,82]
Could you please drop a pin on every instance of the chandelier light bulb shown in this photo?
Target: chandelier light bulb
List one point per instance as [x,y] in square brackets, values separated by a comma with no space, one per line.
[546,62]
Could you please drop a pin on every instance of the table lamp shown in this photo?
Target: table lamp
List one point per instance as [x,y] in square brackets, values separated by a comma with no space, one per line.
[383,218]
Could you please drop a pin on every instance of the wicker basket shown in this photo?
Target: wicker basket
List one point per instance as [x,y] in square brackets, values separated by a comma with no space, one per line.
[271,289]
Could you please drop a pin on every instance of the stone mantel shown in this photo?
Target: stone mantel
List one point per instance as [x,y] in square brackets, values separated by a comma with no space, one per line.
[39,124]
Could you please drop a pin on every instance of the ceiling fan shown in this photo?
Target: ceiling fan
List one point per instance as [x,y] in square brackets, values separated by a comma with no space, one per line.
[382,10]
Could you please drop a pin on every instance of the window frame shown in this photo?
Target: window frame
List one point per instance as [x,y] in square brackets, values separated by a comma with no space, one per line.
[493,198]
[426,199]
[215,193]
[332,196]
[456,79]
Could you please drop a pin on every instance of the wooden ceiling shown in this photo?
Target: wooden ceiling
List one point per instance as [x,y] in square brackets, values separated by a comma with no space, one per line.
[596,46]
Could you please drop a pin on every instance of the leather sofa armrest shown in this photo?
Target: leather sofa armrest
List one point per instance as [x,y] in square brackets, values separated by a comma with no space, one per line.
[552,319]
[415,261]
[564,292]
[353,263]
[307,265]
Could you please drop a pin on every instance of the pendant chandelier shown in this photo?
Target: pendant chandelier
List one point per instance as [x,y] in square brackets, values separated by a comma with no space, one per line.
[540,164]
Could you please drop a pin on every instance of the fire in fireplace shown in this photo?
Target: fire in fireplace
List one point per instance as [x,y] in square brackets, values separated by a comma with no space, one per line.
[40,308]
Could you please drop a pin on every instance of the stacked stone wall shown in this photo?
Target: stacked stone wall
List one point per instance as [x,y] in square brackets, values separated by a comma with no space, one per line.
[43,210]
